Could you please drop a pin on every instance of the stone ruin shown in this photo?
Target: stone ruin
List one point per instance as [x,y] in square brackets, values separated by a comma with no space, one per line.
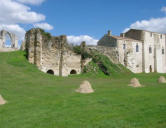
[13,39]
[52,54]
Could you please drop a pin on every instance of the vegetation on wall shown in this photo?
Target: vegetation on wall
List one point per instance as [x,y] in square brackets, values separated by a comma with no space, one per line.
[100,63]
[77,49]
[45,34]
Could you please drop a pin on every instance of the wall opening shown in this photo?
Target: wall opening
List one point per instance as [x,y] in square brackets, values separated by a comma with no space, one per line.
[73,72]
[8,42]
[150,68]
[50,72]
[137,48]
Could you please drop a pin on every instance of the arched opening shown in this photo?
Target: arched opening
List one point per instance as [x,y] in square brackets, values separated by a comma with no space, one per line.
[73,72]
[150,68]
[50,72]
[8,42]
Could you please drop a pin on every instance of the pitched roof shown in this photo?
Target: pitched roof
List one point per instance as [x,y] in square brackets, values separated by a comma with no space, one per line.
[124,38]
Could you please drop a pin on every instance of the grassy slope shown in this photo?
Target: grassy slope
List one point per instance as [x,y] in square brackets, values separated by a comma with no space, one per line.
[38,100]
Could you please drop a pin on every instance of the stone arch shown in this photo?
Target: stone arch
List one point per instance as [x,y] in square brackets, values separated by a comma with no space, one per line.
[13,39]
[72,72]
[50,72]
[8,36]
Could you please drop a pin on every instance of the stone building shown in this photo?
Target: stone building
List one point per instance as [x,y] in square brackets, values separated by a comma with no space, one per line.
[138,50]
[154,44]
[13,40]
[51,54]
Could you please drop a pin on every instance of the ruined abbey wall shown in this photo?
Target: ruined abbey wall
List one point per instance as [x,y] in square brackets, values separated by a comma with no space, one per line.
[13,39]
[52,54]
[111,52]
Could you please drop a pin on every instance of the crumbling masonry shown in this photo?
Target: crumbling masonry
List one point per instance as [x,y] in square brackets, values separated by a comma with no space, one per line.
[13,38]
[51,54]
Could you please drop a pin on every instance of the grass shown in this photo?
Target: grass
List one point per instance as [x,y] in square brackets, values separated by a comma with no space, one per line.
[38,100]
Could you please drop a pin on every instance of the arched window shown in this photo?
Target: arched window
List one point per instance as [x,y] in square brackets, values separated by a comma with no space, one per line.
[150,49]
[137,48]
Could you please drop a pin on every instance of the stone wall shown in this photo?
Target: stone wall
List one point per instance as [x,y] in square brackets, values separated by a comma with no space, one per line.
[128,56]
[13,40]
[111,52]
[52,54]
[107,40]
[154,47]
[122,50]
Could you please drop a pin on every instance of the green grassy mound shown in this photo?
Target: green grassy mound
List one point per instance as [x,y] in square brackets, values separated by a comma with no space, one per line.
[39,100]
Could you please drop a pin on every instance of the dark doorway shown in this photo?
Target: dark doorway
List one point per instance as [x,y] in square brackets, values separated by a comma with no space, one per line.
[50,72]
[150,68]
[73,72]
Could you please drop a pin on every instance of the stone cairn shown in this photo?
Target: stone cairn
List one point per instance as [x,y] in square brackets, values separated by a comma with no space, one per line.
[135,83]
[162,79]
[2,101]
[85,87]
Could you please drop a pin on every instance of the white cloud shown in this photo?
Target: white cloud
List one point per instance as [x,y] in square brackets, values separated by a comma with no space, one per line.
[44,26]
[77,40]
[154,24]
[33,2]
[163,9]
[14,28]
[14,12]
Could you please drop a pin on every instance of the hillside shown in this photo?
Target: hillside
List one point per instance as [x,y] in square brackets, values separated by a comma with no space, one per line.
[39,100]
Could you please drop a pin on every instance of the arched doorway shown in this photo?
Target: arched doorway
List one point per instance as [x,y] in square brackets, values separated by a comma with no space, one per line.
[50,72]
[150,68]
[73,72]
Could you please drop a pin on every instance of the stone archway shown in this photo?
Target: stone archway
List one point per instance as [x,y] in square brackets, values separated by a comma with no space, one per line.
[72,72]
[7,43]
[13,39]
[50,72]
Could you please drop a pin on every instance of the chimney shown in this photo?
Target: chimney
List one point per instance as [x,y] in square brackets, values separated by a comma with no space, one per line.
[109,33]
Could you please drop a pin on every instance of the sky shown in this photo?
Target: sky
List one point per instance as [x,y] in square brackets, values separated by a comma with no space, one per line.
[82,20]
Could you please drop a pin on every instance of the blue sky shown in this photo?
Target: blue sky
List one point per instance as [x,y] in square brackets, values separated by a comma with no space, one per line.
[95,17]
[90,18]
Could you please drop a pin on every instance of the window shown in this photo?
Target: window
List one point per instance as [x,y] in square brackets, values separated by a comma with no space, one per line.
[151,34]
[163,51]
[150,49]
[124,46]
[137,48]
[161,36]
